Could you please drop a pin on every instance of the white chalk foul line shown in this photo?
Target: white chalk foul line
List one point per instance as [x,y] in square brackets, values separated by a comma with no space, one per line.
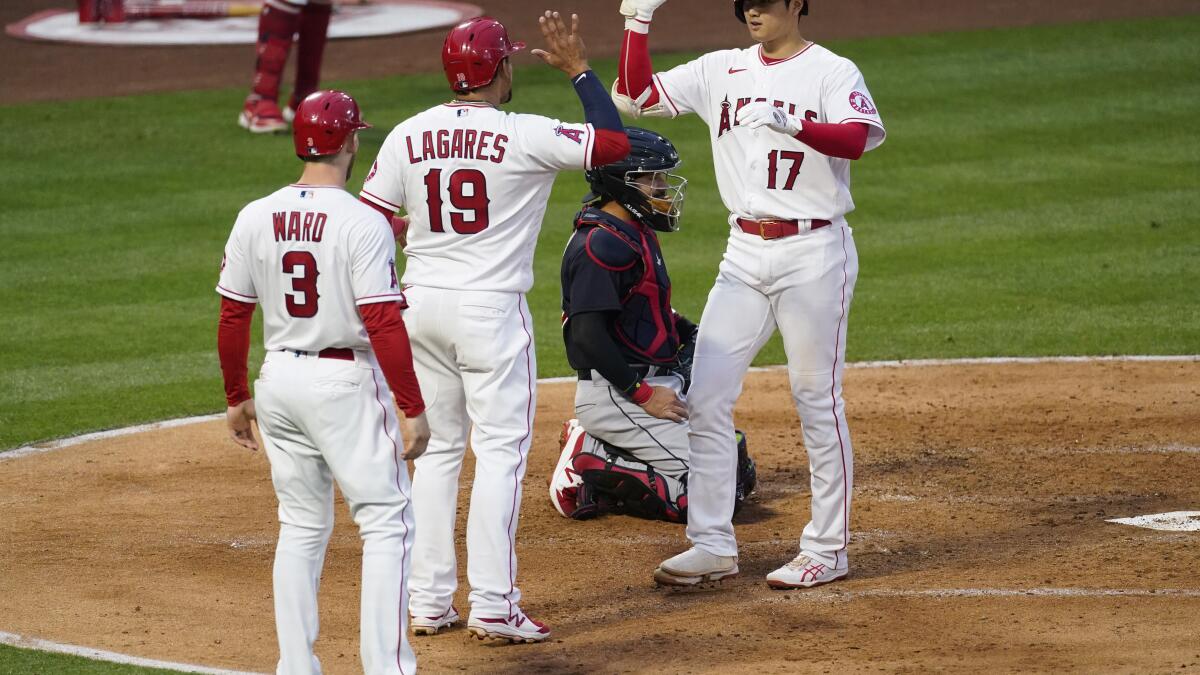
[113,657]
[915,363]
[834,594]
[101,435]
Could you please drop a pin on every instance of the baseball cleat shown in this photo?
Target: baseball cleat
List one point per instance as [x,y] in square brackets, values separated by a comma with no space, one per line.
[515,629]
[565,482]
[261,116]
[804,572]
[431,625]
[695,567]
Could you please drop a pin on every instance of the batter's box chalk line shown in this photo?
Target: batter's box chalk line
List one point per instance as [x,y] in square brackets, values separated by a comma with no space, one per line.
[113,657]
[1174,521]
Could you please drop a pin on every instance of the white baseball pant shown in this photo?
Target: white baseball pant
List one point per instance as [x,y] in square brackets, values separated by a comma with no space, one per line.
[324,420]
[474,357]
[801,285]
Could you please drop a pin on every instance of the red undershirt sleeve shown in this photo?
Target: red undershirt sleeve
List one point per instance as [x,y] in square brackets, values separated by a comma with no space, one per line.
[389,339]
[846,141]
[399,223]
[636,72]
[233,348]
[611,146]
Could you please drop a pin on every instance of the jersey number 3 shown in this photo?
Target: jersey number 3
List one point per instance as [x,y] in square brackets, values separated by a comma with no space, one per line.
[468,196]
[302,302]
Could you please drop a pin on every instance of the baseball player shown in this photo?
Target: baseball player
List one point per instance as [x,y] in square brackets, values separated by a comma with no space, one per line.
[279,23]
[474,181]
[628,450]
[322,266]
[786,117]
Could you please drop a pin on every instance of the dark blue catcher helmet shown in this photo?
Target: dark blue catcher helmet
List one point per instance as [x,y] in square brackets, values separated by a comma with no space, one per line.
[739,9]
[642,182]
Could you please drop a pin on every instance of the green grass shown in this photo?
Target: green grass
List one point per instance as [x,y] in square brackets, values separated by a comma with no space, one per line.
[15,661]
[1038,195]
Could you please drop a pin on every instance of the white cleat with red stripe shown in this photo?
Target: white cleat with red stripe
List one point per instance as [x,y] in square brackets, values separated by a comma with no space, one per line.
[516,628]
[431,625]
[804,572]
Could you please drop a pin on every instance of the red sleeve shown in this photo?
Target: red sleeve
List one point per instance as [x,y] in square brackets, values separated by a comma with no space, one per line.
[611,146]
[389,339]
[635,74]
[399,223]
[233,348]
[847,141]
[386,212]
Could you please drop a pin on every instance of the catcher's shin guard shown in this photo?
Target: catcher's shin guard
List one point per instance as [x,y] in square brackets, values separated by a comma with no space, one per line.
[747,472]
[276,25]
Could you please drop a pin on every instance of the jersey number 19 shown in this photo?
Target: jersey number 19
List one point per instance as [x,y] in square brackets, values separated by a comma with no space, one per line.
[468,195]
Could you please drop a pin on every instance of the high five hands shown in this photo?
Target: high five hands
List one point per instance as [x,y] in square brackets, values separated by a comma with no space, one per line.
[564,48]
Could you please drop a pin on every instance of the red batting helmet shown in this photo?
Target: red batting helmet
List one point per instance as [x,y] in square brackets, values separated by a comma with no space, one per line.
[473,52]
[323,122]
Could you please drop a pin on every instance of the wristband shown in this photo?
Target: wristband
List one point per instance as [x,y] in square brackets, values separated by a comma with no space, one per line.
[641,393]
[637,25]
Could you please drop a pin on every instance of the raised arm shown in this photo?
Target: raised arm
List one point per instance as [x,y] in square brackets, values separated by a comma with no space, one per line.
[565,51]
[634,91]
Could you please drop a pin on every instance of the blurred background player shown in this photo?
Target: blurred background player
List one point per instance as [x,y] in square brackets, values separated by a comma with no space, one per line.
[281,21]
[628,450]
[785,117]
[322,266]
[474,181]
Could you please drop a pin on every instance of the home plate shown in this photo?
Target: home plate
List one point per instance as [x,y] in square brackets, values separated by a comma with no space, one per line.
[1175,521]
[367,19]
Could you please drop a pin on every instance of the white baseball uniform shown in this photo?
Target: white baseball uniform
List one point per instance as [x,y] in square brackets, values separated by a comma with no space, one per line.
[800,284]
[475,181]
[309,256]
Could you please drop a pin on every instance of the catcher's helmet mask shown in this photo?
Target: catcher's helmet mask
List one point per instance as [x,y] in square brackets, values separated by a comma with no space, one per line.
[739,9]
[651,156]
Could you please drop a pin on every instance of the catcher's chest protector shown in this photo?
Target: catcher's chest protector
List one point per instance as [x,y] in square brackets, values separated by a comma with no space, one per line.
[646,325]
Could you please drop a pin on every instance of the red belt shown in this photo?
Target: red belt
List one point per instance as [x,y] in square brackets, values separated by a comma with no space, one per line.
[777,229]
[340,353]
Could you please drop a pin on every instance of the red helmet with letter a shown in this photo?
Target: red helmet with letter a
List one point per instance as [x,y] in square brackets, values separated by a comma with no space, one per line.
[473,52]
[324,120]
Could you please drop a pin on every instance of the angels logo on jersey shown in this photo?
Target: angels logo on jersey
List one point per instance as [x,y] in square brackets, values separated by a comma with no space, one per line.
[371,173]
[861,103]
[573,134]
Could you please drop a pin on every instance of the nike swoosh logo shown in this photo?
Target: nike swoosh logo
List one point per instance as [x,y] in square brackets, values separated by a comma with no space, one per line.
[736,70]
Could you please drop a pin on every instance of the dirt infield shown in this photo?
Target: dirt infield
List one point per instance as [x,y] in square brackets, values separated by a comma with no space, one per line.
[980,541]
[36,71]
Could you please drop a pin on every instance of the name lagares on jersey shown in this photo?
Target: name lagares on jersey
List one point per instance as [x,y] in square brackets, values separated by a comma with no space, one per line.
[458,144]
[729,111]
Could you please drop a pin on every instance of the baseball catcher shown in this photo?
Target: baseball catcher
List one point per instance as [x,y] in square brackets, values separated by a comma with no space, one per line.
[627,450]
